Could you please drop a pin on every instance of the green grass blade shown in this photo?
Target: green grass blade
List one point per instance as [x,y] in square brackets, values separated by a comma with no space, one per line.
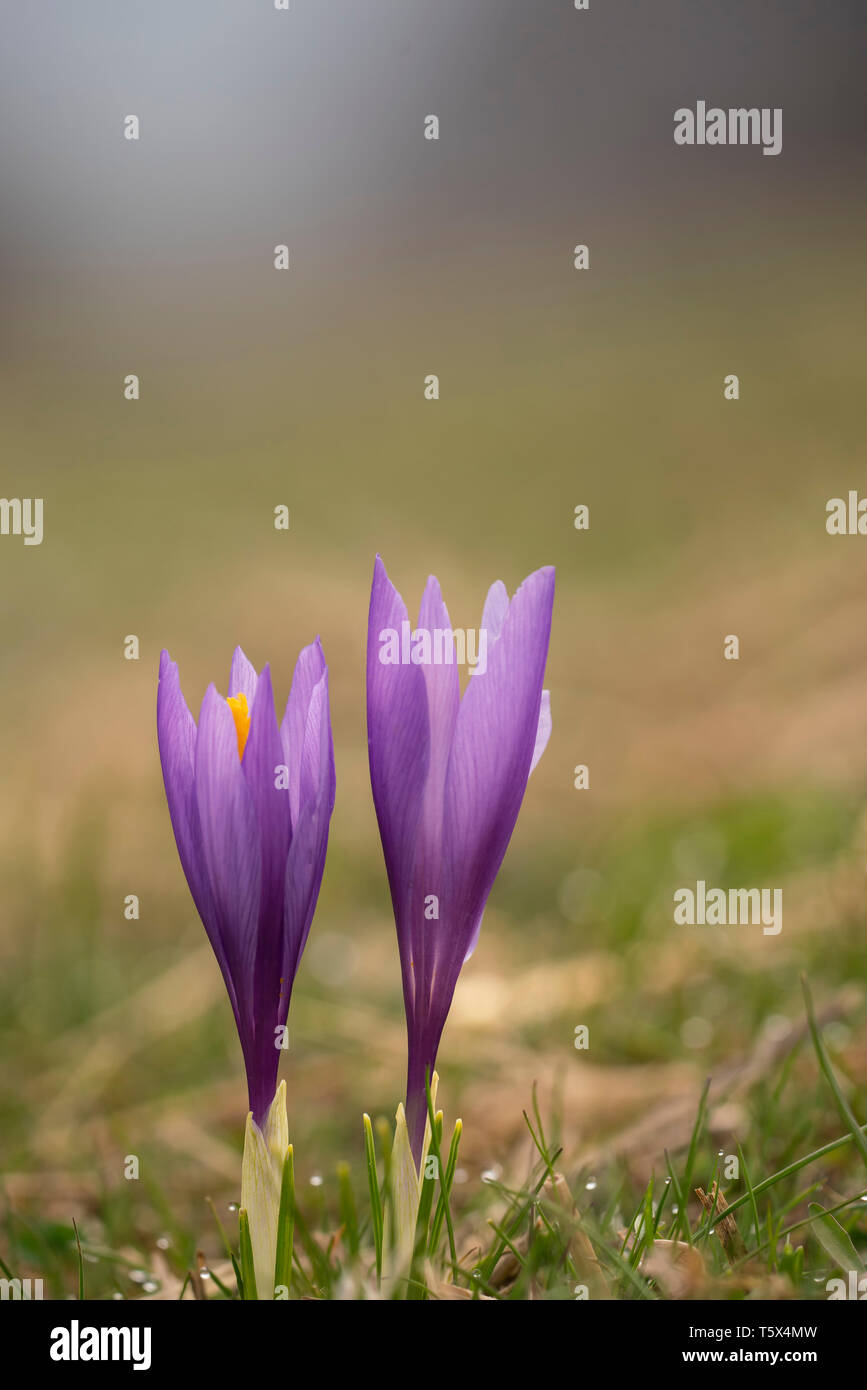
[666,1188]
[824,1062]
[215,1279]
[834,1240]
[80,1263]
[376,1218]
[799,1225]
[439,1158]
[445,1189]
[750,1193]
[286,1223]
[678,1194]
[417,1287]
[248,1276]
[683,1213]
[766,1183]
[227,1244]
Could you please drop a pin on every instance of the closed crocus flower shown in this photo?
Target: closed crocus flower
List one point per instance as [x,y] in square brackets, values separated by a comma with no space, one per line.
[250,804]
[448,775]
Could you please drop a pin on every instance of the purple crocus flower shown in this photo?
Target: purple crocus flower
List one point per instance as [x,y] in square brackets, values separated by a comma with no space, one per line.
[250,804]
[448,777]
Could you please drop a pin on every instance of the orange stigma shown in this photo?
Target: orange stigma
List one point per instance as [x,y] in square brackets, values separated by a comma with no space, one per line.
[241,715]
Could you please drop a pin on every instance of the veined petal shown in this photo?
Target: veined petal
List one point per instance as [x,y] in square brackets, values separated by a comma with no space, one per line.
[263,756]
[543,729]
[231,812]
[442,687]
[398,736]
[230,849]
[495,610]
[309,671]
[176,736]
[492,752]
[306,860]
[261,764]
[317,753]
[474,938]
[243,678]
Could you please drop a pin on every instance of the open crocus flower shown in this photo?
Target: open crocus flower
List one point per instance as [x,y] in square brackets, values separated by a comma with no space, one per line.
[448,777]
[250,804]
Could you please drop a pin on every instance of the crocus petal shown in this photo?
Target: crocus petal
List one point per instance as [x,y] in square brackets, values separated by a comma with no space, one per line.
[254,887]
[231,854]
[309,670]
[543,731]
[442,689]
[176,736]
[447,852]
[492,751]
[315,750]
[495,610]
[262,770]
[398,737]
[474,938]
[242,677]
[263,759]
[306,860]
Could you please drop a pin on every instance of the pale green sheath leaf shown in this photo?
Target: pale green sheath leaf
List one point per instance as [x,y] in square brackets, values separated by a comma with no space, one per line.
[261,1181]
